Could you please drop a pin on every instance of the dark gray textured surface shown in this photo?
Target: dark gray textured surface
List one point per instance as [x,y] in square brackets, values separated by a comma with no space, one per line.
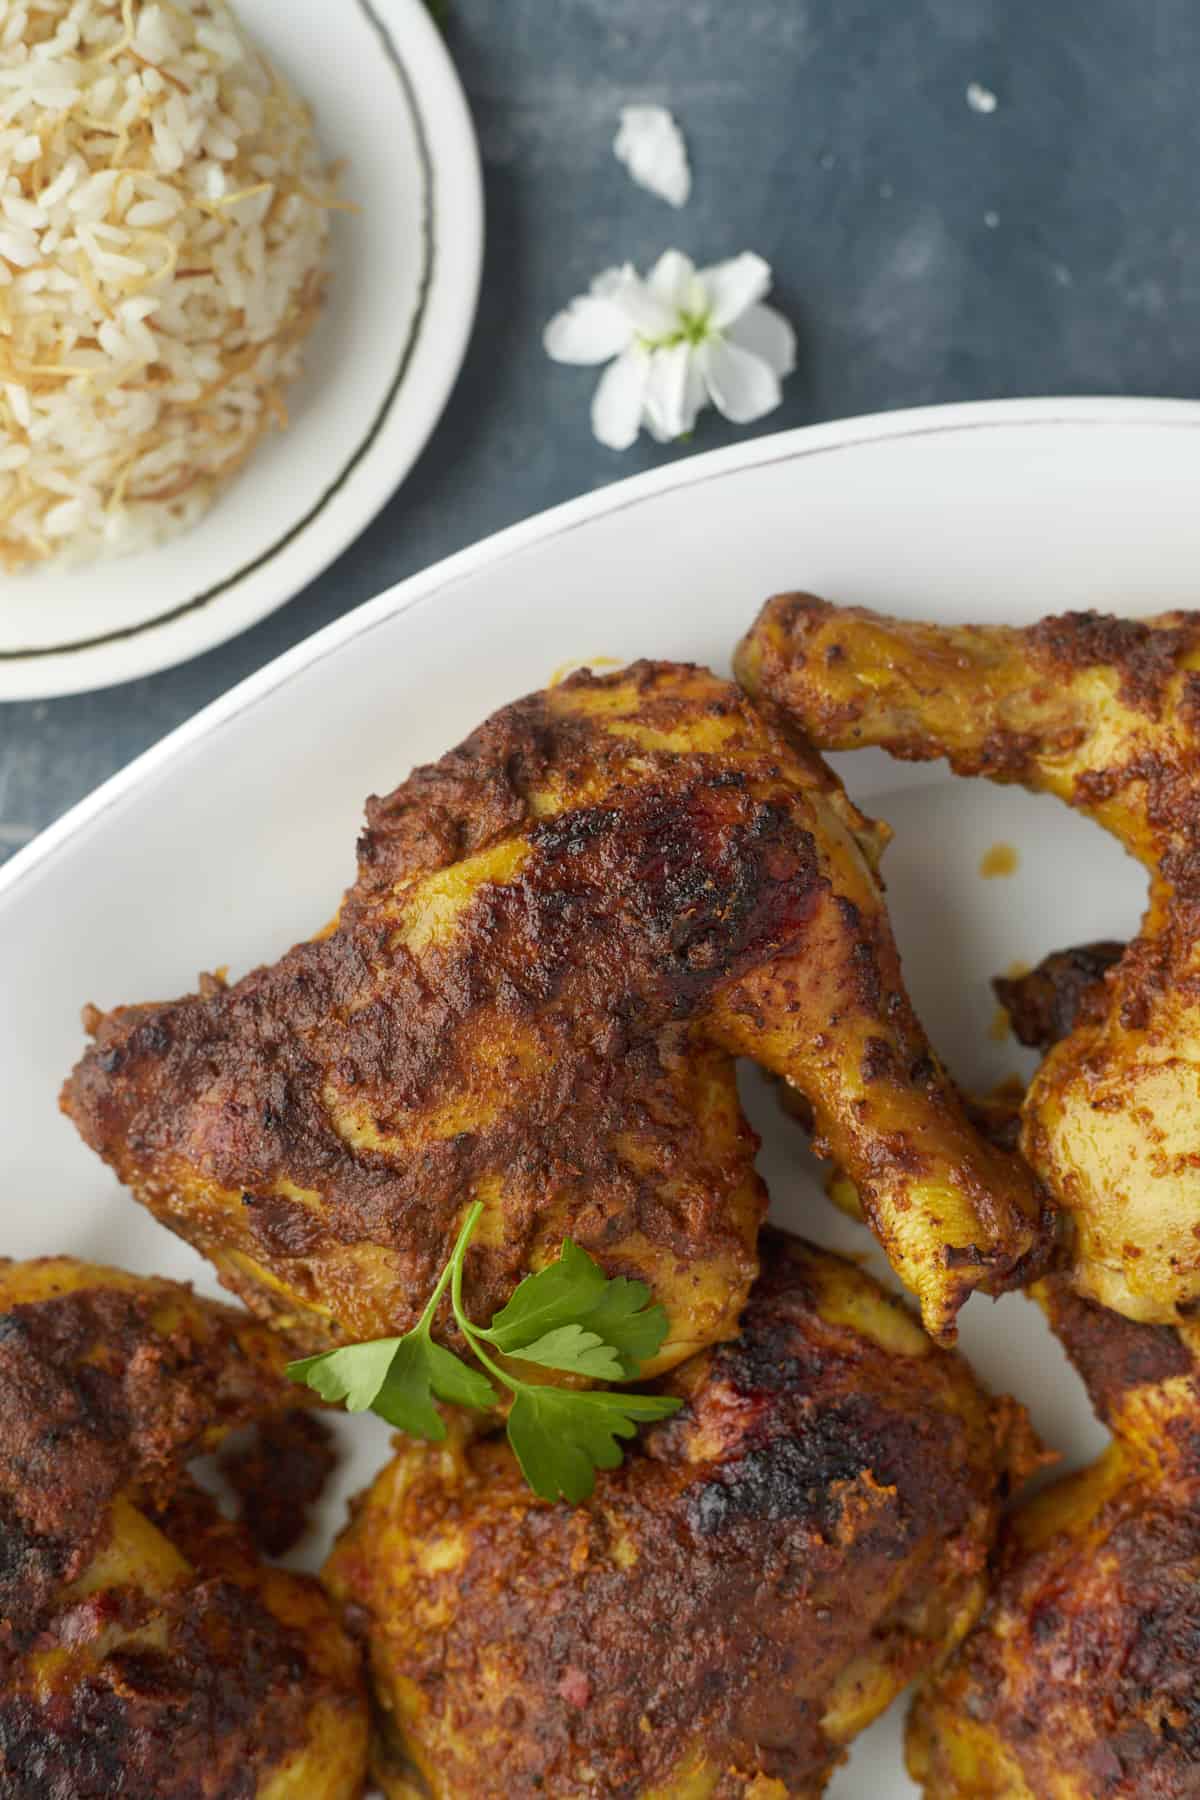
[926,252]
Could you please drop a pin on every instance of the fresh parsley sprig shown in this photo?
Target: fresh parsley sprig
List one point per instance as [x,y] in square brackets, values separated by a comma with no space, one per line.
[569,1317]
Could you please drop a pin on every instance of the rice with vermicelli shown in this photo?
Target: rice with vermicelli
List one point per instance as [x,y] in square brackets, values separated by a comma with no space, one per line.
[163,229]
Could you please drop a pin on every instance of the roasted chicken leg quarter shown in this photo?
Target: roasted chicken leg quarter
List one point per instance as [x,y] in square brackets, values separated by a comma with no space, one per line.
[1082,1680]
[1105,714]
[761,1577]
[145,1652]
[560,937]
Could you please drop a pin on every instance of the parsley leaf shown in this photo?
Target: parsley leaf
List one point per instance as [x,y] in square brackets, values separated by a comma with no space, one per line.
[354,1374]
[568,1317]
[561,1437]
[578,1352]
[624,1319]
[420,1369]
[574,1290]
[559,1294]
[398,1377]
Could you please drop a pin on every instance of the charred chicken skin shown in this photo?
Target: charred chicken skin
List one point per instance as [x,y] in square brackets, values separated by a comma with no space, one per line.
[1045,1005]
[1105,714]
[761,1577]
[1082,1679]
[144,1651]
[560,936]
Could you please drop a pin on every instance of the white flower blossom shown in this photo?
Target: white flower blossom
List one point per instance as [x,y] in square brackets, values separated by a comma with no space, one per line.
[651,146]
[674,342]
[981,99]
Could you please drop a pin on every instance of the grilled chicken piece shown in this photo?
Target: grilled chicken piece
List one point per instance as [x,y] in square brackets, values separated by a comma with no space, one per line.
[144,1652]
[1082,1679]
[1067,987]
[560,936]
[1105,714]
[277,1476]
[760,1578]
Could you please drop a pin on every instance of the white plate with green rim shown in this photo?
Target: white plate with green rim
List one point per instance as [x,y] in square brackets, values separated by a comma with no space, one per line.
[235,835]
[378,368]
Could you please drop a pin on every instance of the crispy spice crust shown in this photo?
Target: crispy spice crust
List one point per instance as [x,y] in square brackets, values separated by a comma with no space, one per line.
[1143,655]
[1104,713]
[1066,987]
[1113,1355]
[626,913]
[825,1495]
[144,1652]
[596,958]
[1084,1666]
[221,1698]
[278,1475]
[559,935]
[206,1691]
[1081,1677]
[802,648]
[100,1388]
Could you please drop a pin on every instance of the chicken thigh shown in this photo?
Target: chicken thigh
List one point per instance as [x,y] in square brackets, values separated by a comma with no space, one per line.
[1105,714]
[560,936]
[144,1651]
[1082,1679]
[760,1578]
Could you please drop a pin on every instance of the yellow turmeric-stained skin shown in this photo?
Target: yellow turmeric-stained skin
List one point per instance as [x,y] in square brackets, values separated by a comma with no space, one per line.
[754,1585]
[560,937]
[1081,1680]
[1104,713]
[144,1651]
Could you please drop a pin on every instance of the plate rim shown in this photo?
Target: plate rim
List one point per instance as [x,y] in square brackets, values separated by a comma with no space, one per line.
[453,231]
[858,432]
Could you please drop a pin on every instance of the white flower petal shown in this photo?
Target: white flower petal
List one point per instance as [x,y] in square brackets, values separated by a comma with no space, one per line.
[671,276]
[766,333]
[743,387]
[655,429]
[733,286]
[608,281]
[619,397]
[675,391]
[672,280]
[651,146]
[646,313]
[589,330]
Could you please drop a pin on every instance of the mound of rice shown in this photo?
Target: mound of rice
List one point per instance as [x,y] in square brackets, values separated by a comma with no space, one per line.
[163,230]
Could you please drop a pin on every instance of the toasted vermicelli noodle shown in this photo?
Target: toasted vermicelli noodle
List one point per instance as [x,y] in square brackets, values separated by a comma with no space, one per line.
[163,227]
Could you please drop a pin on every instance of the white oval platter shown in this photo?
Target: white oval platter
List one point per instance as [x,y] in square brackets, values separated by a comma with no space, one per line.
[235,836]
